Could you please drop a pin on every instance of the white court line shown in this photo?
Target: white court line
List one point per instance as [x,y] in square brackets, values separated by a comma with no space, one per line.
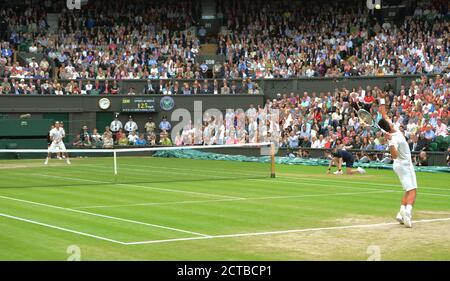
[103,216]
[219,236]
[361,182]
[293,182]
[164,170]
[265,180]
[228,200]
[278,176]
[231,197]
[366,188]
[281,232]
[62,228]
[252,234]
[69,178]
[321,180]
[313,179]
[140,186]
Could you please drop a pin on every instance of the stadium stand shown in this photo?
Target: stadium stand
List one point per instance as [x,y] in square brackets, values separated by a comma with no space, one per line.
[91,50]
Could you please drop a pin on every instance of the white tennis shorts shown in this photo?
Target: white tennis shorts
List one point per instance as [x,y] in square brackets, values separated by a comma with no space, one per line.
[406,174]
[57,147]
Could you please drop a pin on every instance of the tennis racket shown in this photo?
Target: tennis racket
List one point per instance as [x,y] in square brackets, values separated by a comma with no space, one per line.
[368,119]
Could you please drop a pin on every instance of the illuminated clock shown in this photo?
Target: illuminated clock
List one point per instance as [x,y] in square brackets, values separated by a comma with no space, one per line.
[104,103]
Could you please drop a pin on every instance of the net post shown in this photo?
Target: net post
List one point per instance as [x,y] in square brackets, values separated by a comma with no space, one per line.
[115,162]
[272,160]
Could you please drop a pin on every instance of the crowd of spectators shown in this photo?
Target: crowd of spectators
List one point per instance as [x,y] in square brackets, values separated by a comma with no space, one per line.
[26,26]
[129,40]
[275,39]
[324,120]
[159,41]
[140,39]
[27,85]
[134,39]
[420,111]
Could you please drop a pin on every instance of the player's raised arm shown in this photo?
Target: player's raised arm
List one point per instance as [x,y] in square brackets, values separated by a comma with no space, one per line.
[382,108]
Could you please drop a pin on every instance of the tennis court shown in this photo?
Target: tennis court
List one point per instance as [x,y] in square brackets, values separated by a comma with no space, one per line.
[185,209]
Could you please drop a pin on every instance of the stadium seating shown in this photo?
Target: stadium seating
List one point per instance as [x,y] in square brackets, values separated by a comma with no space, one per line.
[157,43]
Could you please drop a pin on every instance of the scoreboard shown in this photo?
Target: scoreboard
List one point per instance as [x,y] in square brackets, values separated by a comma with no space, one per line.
[138,105]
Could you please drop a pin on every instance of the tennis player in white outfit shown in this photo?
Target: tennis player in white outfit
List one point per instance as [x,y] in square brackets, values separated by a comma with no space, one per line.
[402,166]
[57,145]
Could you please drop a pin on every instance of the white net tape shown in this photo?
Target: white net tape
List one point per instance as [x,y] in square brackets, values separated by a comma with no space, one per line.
[140,149]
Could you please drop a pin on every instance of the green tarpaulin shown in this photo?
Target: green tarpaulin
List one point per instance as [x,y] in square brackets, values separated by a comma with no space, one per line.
[195,154]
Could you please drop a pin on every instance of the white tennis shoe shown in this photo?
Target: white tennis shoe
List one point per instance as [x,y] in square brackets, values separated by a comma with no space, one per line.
[399,218]
[361,170]
[406,219]
[338,172]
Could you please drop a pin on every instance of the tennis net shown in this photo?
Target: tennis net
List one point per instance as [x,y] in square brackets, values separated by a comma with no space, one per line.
[22,168]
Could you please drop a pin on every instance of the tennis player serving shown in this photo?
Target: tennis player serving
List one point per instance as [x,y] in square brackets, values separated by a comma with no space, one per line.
[402,166]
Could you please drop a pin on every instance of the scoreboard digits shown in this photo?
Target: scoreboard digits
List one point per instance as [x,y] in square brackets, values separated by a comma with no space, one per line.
[142,105]
[138,105]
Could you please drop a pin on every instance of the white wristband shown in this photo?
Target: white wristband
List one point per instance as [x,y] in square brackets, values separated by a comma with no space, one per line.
[382,101]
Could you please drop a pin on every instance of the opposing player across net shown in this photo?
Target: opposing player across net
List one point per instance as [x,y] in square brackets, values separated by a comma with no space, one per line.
[56,135]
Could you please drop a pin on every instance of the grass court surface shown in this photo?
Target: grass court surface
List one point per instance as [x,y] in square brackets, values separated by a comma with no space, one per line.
[184,209]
